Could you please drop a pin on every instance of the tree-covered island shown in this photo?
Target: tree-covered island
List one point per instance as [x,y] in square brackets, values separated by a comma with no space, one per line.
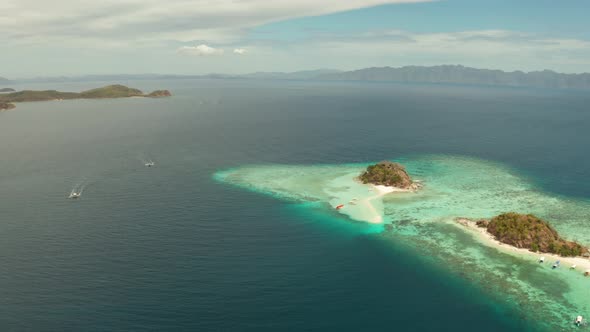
[530,232]
[110,91]
[389,174]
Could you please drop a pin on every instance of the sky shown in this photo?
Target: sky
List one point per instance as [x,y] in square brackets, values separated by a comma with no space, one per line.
[78,37]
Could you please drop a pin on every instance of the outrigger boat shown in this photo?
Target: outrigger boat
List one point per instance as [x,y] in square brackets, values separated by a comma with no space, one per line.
[542,259]
[74,195]
[555,265]
[579,321]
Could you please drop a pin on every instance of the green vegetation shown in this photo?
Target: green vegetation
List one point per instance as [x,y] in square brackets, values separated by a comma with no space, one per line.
[159,93]
[30,95]
[387,173]
[528,231]
[110,91]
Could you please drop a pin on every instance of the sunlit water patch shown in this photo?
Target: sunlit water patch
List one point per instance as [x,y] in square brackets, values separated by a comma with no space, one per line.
[424,222]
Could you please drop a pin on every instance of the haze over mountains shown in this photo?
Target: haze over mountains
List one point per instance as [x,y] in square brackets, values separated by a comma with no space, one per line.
[455,74]
[298,75]
[301,75]
[464,75]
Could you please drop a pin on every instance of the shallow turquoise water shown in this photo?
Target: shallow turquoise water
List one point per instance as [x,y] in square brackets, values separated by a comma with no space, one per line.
[454,186]
[169,248]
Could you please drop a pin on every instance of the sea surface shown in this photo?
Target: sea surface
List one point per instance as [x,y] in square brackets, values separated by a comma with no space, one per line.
[172,248]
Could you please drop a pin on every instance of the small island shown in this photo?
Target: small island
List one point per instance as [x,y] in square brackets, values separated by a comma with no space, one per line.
[159,93]
[7,90]
[110,91]
[389,174]
[6,106]
[529,232]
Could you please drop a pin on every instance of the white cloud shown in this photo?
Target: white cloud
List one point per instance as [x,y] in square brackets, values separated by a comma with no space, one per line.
[200,50]
[481,43]
[34,34]
[148,21]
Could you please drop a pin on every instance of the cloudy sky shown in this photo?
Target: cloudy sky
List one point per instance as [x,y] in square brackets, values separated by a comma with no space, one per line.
[75,37]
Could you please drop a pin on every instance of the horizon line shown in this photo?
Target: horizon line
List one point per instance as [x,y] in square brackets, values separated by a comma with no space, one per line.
[287,72]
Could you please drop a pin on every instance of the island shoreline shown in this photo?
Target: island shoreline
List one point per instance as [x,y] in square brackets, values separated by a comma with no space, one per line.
[484,237]
[9,100]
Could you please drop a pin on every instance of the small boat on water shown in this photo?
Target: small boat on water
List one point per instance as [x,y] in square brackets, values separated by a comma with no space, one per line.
[573,267]
[555,265]
[149,164]
[587,273]
[579,321]
[74,195]
[542,259]
[339,206]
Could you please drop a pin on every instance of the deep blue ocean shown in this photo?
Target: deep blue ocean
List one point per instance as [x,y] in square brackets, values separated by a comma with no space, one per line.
[169,248]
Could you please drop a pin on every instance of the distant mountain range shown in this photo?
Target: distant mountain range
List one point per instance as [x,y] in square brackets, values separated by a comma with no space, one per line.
[109,78]
[464,75]
[455,74]
[299,75]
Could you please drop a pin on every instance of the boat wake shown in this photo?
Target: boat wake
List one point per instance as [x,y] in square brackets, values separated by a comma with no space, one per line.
[78,189]
[147,162]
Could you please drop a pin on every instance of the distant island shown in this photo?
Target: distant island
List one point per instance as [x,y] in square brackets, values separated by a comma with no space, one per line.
[463,75]
[454,74]
[298,75]
[110,91]
[529,232]
[159,94]
[7,90]
[6,106]
[387,173]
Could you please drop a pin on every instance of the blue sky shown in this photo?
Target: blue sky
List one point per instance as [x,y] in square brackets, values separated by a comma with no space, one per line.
[75,37]
[563,18]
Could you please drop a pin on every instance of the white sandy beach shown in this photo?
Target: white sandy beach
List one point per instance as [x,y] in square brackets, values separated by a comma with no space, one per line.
[483,236]
[384,190]
[368,206]
[455,186]
[381,191]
